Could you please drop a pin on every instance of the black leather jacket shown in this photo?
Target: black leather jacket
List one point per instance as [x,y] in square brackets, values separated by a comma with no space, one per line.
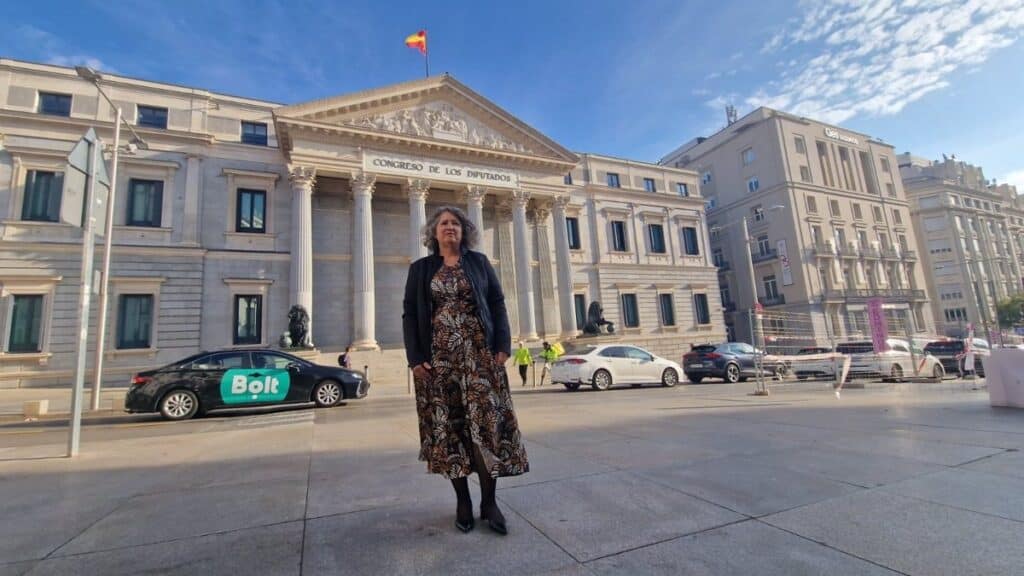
[418,305]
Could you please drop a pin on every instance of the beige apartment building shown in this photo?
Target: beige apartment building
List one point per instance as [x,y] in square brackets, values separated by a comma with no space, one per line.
[828,222]
[241,208]
[969,236]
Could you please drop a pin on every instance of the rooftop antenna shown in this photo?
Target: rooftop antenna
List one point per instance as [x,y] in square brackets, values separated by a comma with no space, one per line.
[730,114]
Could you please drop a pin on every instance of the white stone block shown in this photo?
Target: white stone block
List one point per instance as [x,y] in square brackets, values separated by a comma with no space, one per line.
[36,408]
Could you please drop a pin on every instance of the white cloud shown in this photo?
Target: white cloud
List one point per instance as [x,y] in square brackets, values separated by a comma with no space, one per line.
[1015,178]
[875,57]
[52,50]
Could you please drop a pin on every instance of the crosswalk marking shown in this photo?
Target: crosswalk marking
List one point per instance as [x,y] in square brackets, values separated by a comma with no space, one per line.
[296,417]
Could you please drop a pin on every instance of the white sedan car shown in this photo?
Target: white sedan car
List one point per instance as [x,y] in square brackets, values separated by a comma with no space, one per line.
[608,364]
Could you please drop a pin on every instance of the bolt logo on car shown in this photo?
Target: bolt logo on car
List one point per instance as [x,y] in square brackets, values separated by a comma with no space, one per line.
[242,386]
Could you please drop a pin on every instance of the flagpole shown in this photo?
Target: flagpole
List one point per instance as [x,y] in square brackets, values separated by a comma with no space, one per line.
[426,62]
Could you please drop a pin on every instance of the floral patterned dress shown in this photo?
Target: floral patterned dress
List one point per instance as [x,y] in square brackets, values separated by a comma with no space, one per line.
[464,401]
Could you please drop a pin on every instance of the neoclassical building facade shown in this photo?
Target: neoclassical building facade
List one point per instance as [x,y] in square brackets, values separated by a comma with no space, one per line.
[241,208]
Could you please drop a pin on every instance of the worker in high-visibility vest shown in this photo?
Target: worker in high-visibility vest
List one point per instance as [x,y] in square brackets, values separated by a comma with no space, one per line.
[523,359]
[548,355]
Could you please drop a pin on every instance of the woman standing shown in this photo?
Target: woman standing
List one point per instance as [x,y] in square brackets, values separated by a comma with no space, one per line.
[457,340]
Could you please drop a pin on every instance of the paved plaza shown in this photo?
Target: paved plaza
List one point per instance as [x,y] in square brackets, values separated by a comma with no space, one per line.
[891,479]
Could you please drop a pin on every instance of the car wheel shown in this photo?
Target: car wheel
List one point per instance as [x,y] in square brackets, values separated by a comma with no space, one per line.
[571,386]
[896,374]
[179,405]
[938,372]
[602,380]
[694,379]
[669,378]
[327,394]
[732,373]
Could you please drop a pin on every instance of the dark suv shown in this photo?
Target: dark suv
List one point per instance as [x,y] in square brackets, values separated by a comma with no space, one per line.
[951,354]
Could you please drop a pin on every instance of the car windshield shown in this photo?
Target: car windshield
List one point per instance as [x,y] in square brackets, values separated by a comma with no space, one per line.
[703,348]
[806,351]
[944,347]
[855,348]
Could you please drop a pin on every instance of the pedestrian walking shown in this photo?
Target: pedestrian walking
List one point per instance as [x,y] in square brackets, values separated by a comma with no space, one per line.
[523,359]
[345,359]
[548,355]
[457,340]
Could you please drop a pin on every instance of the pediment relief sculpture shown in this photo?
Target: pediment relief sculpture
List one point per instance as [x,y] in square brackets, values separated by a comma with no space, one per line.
[438,120]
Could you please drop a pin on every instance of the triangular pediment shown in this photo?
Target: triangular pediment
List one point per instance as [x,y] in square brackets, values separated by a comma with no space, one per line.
[435,109]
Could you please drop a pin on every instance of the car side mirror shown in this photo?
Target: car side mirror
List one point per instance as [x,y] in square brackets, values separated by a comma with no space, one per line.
[292,366]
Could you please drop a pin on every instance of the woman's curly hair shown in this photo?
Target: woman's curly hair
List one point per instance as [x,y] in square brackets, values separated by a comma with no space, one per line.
[470,233]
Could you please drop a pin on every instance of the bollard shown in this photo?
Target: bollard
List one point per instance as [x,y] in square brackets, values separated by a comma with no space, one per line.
[366,372]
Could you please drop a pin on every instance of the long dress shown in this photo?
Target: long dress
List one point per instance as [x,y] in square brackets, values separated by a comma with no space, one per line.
[464,402]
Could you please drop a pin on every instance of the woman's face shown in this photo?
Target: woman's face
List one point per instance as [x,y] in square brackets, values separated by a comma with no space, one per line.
[448,230]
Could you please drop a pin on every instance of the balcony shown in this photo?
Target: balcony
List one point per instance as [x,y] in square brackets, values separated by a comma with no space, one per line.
[909,255]
[849,251]
[862,295]
[822,251]
[764,256]
[890,254]
[777,300]
[872,253]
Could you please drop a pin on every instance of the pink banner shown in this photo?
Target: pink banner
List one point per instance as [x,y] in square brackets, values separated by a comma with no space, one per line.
[878,325]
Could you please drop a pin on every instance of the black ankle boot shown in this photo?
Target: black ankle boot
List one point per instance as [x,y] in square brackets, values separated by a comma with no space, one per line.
[464,509]
[489,511]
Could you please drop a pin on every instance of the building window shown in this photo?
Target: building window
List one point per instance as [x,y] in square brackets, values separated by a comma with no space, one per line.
[896,216]
[723,293]
[630,312]
[152,117]
[54,104]
[613,180]
[682,189]
[798,143]
[748,156]
[826,164]
[145,202]
[657,238]
[690,245]
[619,236]
[955,314]
[763,246]
[833,208]
[862,239]
[702,314]
[572,229]
[254,133]
[757,212]
[248,319]
[580,303]
[857,214]
[42,196]
[885,164]
[649,185]
[668,310]
[134,321]
[706,177]
[955,199]
[771,289]
[890,189]
[753,184]
[902,240]
[805,174]
[567,179]
[847,167]
[812,205]
[816,235]
[251,215]
[876,212]
[26,323]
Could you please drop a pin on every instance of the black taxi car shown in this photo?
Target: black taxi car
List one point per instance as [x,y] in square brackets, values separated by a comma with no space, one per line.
[240,379]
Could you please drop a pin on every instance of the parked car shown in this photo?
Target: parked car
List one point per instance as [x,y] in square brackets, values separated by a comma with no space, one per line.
[240,379]
[951,353]
[895,364]
[606,365]
[730,361]
[817,368]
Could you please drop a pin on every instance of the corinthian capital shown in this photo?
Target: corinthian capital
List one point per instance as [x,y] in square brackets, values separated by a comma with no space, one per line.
[520,197]
[561,201]
[540,212]
[362,183]
[475,194]
[418,188]
[301,176]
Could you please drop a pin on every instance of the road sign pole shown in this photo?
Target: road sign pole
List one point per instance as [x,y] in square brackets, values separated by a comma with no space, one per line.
[104,295]
[88,245]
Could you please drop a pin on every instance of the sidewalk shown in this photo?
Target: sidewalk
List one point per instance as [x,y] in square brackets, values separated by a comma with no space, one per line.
[12,400]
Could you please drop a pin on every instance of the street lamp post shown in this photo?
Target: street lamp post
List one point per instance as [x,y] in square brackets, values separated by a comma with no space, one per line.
[93,76]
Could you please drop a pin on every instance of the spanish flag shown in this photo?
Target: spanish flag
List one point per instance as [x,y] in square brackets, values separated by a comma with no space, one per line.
[418,41]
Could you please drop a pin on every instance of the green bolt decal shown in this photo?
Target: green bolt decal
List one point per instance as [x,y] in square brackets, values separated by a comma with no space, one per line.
[240,386]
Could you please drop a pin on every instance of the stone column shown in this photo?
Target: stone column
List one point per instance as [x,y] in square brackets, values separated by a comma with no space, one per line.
[524,277]
[417,190]
[363,308]
[506,261]
[563,264]
[301,285]
[190,226]
[545,277]
[475,203]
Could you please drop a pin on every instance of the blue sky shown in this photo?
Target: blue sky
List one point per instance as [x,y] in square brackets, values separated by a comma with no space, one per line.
[631,79]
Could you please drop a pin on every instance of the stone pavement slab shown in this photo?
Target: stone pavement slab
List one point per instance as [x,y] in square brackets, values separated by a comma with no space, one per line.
[858,468]
[737,484]
[420,538]
[945,453]
[16,568]
[1005,463]
[605,514]
[967,489]
[193,512]
[910,536]
[551,464]
[749,547]
[267,550]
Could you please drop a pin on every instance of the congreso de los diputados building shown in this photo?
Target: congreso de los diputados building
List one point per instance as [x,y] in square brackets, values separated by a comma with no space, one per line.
[237,209]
